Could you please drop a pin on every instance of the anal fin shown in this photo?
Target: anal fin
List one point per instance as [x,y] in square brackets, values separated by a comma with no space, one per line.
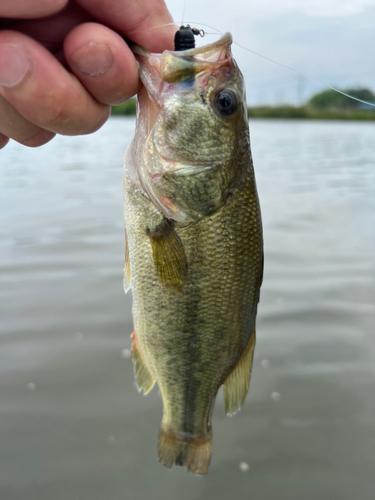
[145,380]
[237,383]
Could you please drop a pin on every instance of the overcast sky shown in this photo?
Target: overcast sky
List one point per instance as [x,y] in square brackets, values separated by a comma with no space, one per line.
[331,40]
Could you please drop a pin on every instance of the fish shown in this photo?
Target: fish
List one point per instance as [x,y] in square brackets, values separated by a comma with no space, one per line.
[194,244]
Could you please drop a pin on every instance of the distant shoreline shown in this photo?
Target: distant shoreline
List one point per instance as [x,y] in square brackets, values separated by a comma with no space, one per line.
[310,113]
[306,112]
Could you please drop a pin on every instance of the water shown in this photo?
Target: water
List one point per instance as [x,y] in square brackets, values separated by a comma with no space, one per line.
[72,425]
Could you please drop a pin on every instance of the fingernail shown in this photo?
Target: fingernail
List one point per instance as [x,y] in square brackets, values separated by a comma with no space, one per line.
[14,64]
[93,59]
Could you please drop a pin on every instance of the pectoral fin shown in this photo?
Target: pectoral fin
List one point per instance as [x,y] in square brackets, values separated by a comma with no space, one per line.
[237,384]
[145,380]
[168,254]
[127,284]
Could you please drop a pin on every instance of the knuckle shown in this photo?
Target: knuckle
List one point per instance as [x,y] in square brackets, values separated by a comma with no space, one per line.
[38,139]
[58,111]
[65,110]
[53,107]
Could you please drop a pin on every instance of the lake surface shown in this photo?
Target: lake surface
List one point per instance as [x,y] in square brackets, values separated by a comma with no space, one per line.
[72,425]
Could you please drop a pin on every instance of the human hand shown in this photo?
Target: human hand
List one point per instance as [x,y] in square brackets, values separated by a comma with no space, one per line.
[60,74]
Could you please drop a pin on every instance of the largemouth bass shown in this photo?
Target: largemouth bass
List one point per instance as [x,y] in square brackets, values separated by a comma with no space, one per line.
[194,246]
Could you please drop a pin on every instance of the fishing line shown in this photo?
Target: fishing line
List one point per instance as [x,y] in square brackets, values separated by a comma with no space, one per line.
[316,80]
[207,26]
[304,74]
[153,28]
[177,26]
[183,12]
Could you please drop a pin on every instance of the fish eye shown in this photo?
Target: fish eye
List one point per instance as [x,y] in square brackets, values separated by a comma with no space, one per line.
[226,101]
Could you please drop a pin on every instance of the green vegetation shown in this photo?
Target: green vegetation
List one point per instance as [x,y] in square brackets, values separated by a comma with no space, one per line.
[327,105]
[330,99]
[127,108]
[308,112]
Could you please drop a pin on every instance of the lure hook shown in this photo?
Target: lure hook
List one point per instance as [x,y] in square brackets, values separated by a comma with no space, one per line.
[184,37]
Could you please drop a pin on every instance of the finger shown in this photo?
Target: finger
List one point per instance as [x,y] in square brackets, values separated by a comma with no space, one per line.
[42,91]
[103,62]
[51,31]
[16,127]
[3,141]
[24,9]
[136,20]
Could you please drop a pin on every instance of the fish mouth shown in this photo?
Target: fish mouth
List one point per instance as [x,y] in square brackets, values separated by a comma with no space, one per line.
[226,39]
[178,66]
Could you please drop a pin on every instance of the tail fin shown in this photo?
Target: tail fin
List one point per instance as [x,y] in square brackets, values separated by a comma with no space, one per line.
[194,453]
